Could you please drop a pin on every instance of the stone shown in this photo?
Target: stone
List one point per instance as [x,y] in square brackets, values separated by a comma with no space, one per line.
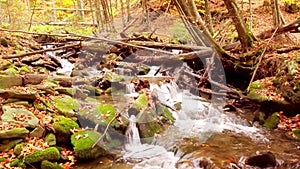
[8,81]
[9,144]
[18,94]
[14,133]
[272,121]
[33,79]
[49,165]
[38,132]
[18,148]
[62,127]
[50,154]
[65,105]
[83,142]
[50,139]
[10,114]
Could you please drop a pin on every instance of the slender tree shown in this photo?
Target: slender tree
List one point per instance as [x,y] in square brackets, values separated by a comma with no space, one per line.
[245,35]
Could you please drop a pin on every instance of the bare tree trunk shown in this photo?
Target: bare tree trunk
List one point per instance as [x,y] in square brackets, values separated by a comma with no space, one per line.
[276,13]
[92,11]
[245,35]
[208,17]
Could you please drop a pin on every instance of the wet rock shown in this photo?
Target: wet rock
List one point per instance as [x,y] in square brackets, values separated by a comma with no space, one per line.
[14,133]
[49,165]
[63,127]
[65,105]
[263,160]
[9,144]
[33,79]
[50,154]
[148,125]
[83,142]
[8,81]
[141,102]
[19,116]
[272,121]
[50,139]
[29,59]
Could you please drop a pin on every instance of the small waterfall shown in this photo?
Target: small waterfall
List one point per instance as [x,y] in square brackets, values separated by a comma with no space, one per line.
[132,133]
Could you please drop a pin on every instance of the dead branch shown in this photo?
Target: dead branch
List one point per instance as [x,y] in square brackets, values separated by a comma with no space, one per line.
[288,49]
[42,51]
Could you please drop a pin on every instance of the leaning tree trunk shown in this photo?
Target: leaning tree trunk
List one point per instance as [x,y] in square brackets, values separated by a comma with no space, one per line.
[245,35]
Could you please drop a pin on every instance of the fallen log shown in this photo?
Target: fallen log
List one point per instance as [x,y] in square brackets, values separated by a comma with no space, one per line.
[42,51]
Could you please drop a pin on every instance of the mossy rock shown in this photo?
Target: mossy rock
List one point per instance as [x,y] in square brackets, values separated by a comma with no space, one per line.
[296,133]
[141,102]
[148,125]
[50,154]
[4,64]
[14,133]
[62,127]
[49,165]
[83,142]
[165,113]
[9,144]
[107,112]
[65,105]
[50,139]
[9,114]
[272,121]
[18,148]
[17,163]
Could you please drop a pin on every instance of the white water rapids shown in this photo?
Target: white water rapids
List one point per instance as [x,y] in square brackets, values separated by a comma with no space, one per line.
[197,118]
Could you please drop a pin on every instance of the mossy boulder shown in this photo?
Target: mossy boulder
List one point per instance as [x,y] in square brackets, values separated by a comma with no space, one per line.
[14,133]
[49,165]
[83,142]
[18,94]
[50,139]
[272,121]
[50,154]
[17,163]
[165,114]
[65,105]
[141,102]
[4,64]
[10,114]
[9,144]
[296,133]
[62,126]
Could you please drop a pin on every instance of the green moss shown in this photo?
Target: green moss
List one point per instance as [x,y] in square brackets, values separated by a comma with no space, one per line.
[17,163]
[8,144]
[18,148]
[11,70]
[107,112]
[2,159]
[141,102]
[148,125]
[14,133]
[49,165]
[83,142]
[50,139]
[296,132]
[272,121]
[255,96]
[50,153]
[62,127]
[165,113]
[257,85]
[65,105]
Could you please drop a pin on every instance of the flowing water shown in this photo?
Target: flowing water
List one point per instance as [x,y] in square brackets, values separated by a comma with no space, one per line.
[203,136]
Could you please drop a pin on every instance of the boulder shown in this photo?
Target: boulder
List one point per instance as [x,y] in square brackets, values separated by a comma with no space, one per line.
[19,116]
[50,139]
[33,79]
[62,127]
[25,94]
[272,121]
